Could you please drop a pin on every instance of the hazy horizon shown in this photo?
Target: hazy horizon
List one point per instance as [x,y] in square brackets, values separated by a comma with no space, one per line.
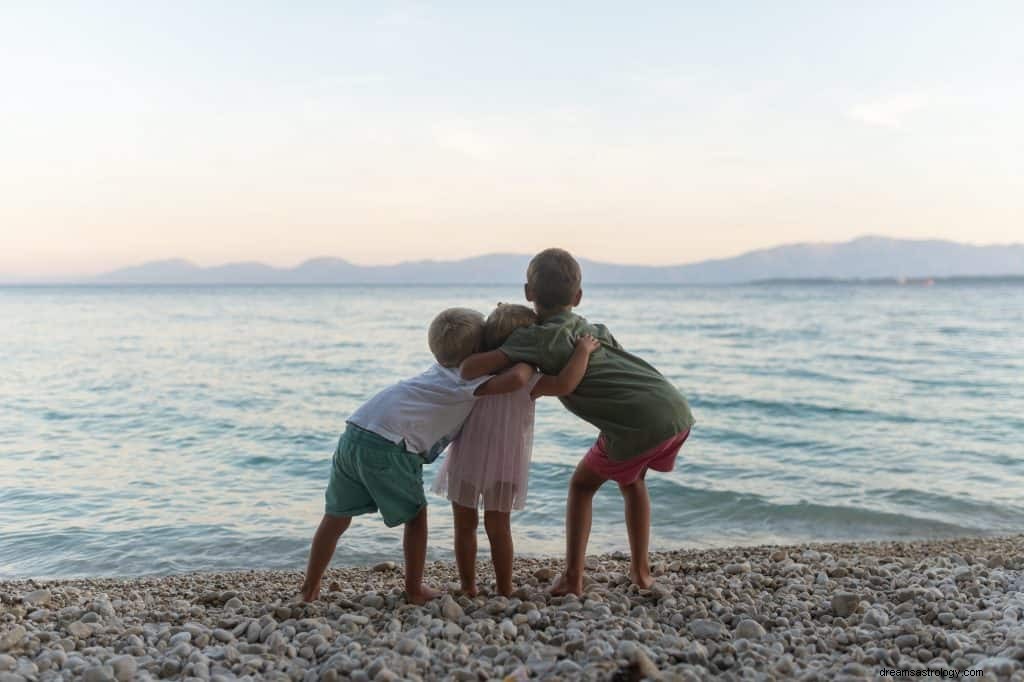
[396,132]
[869,257]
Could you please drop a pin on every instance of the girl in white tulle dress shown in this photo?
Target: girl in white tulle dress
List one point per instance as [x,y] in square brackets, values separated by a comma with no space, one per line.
[488,465]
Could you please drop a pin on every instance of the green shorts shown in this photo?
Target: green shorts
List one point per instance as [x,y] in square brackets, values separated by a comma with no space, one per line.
[370,473]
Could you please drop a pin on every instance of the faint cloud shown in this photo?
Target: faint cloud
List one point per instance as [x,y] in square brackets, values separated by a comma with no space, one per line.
[889,112]
[668,84]
[401,17]
[352,80]
[567,115]
[467,140]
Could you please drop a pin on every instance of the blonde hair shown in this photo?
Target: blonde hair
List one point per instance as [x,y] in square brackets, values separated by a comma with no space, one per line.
[454,335]
[504,320]
[554,279]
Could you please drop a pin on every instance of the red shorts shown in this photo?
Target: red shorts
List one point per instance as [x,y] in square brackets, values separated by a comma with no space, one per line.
[662,457]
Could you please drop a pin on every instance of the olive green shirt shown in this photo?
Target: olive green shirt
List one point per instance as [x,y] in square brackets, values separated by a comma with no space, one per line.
[633,405]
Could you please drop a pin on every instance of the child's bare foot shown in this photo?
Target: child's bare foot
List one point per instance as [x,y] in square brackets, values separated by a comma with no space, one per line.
[421,595]
[310,591]
[470,591]
[566,585]
[643,580]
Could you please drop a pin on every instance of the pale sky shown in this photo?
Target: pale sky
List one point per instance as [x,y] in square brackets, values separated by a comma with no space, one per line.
[381,132]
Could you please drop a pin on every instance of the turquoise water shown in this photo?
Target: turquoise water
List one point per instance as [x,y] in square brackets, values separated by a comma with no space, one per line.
[154,430]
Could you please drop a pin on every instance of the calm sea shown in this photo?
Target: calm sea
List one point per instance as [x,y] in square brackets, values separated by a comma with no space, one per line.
[165,429]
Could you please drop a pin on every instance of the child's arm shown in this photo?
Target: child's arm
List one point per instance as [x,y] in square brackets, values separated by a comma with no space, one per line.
[572,374]
[479,364]
[512,379]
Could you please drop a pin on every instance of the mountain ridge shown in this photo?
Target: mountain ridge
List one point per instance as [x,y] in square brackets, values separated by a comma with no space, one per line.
[867,257]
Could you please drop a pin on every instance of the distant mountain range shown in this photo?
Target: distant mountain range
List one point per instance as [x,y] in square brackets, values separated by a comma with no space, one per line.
[865,258]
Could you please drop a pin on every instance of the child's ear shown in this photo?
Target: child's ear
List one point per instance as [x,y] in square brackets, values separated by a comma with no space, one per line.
[579,297]
[528,293]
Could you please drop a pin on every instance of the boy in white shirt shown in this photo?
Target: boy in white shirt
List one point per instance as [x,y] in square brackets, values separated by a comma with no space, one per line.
[378,464]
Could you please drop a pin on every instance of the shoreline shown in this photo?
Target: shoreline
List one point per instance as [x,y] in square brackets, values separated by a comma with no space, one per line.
[820,611]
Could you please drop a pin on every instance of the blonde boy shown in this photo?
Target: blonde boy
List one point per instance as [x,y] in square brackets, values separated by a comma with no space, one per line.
[378,464]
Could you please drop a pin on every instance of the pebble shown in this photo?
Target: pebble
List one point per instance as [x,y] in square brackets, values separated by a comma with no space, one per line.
[508,628]
[876,618]
[79,629]
[124,667]
[750,629]
[907,641]
[374,601]
[756,613]
[845,603]
[567,667]
[36,597]
[645,667]
[450,609]
[703,628]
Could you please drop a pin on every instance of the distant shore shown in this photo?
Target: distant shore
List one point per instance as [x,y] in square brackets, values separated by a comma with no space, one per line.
[960,280]
[861,259]
[822,611]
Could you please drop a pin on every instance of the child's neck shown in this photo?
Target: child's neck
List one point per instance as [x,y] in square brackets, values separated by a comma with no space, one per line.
[547,313]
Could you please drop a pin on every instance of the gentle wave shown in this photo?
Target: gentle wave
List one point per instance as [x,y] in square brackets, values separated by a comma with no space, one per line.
[175,429]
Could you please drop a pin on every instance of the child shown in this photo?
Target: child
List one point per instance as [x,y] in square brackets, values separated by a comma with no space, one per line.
[489,462]
[378,463]
[642,417]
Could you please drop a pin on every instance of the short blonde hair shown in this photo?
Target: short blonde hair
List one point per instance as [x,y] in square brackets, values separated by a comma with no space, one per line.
[454,335]
[504,320]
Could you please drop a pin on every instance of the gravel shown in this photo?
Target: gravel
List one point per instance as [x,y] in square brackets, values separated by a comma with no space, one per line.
[828,611]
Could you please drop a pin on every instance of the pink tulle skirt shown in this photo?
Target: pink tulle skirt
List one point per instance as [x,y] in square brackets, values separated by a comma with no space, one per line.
[488,465]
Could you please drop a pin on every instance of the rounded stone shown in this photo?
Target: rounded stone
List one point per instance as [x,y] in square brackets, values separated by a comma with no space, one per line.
[124,667]
[36,597]
[99,673]
[450,609]
[876,617]
[703,628]
[544,574]
[750,629]
[406,646]
[845,603]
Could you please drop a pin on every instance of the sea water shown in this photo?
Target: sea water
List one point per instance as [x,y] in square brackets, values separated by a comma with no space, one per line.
[163,429]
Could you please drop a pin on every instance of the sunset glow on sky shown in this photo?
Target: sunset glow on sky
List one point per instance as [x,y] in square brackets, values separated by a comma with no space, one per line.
[381,132]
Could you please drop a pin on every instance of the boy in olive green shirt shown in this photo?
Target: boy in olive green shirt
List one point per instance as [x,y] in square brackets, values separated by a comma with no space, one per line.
[643,418]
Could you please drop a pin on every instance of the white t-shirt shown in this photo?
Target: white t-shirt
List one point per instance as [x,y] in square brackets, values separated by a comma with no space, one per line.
[425,412]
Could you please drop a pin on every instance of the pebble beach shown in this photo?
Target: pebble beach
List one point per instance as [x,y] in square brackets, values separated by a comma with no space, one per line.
[814,612]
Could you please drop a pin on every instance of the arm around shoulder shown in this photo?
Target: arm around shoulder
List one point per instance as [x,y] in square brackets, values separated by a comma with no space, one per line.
[512,379]
[479,364]
[572,374]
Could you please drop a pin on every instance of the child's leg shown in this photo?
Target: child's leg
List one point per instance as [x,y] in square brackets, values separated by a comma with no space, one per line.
[415,546]
[578,514]
[499,533]
[465,546]
[324,542]
[638,526]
